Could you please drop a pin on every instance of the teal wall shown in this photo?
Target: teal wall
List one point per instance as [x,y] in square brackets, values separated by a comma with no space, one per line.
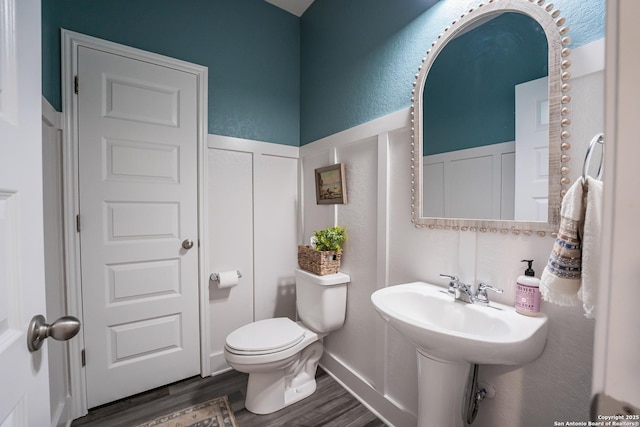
[251,48]
[485,63]
[355,61]
[360,57]
[275,77]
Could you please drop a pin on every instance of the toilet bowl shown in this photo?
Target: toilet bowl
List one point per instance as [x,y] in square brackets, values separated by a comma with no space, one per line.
[281,356]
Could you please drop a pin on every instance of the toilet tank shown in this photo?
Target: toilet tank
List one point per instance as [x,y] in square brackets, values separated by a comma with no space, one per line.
[321,300]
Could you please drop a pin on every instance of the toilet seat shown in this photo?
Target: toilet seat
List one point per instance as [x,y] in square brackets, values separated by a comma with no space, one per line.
[265,337]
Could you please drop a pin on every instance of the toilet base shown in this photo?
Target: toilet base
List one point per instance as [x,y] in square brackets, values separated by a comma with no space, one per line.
[265,393]
[268,392]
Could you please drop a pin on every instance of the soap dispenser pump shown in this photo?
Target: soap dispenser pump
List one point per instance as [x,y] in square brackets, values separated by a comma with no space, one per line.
[528,292]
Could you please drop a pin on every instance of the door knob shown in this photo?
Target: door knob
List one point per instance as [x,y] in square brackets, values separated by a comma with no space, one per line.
[187,244]
[62,329]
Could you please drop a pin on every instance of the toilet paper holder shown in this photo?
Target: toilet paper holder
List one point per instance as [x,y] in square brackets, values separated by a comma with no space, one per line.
[215,277]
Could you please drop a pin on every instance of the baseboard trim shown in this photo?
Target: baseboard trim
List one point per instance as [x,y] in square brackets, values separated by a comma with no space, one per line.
[388,411]
[217,363]
[221,371]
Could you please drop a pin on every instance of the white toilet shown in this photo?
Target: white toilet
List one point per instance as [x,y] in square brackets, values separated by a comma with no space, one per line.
[281,356]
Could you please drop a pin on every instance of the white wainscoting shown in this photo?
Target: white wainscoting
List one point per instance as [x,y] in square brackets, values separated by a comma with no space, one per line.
[359,354]
[384,249]
[253,227]
[469,183]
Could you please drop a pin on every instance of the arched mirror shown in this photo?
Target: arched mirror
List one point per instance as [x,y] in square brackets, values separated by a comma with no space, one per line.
[490,122]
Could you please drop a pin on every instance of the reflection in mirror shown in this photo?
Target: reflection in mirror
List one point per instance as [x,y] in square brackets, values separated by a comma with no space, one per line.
[470,146]
[490,122]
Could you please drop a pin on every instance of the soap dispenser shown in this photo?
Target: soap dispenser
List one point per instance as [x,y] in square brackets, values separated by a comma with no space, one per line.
[528,292]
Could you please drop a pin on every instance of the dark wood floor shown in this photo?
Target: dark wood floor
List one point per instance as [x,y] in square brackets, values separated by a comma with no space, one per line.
[330,405]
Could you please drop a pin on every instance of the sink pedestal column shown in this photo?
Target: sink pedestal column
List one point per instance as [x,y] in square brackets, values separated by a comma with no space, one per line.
[441,387]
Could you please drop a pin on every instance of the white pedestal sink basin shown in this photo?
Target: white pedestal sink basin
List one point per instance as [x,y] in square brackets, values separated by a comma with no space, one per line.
[452,335]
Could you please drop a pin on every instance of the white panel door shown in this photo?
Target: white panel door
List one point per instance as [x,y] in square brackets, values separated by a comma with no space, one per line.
[532,151]
[137,125]
[60,389]
[24,383]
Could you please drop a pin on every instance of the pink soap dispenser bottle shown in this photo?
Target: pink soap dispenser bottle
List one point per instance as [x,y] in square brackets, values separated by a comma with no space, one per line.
[528,292]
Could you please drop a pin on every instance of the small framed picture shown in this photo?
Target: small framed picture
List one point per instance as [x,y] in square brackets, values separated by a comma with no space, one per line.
[331,185]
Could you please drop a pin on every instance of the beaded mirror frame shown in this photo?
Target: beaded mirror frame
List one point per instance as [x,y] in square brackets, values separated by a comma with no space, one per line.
[556,32]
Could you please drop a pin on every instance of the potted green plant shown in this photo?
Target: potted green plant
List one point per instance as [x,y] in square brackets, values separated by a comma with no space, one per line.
[325,255]
[330,239]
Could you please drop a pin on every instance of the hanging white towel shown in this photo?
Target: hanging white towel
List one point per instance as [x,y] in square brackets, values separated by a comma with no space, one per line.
[572,271]
[588,293]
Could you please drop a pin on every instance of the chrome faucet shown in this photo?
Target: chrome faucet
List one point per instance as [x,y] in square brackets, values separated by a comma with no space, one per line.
[458,290]
[462,292]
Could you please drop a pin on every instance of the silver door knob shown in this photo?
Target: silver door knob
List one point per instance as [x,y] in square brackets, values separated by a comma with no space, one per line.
[62,329]
[187,244]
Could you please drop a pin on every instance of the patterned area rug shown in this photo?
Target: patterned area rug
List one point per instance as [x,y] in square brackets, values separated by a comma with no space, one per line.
[214,413]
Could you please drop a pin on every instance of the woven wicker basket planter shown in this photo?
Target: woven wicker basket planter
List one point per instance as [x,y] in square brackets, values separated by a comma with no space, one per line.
[318,262]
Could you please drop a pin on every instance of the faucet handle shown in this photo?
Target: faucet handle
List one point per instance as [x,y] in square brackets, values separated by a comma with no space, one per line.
[453,281]
[483,287]
[481,296]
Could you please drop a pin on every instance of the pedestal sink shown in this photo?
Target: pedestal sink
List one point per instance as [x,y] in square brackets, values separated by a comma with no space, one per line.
[450,337]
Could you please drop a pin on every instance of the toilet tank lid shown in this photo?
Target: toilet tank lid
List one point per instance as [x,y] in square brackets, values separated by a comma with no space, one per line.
[326,280]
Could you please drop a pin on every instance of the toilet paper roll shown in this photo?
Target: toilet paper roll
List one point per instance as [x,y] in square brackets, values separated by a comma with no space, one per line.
[227,279]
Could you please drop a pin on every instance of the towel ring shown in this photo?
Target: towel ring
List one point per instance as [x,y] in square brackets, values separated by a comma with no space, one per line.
[599,139]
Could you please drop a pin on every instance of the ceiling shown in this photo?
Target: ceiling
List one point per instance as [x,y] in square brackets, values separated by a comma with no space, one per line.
[296,7]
